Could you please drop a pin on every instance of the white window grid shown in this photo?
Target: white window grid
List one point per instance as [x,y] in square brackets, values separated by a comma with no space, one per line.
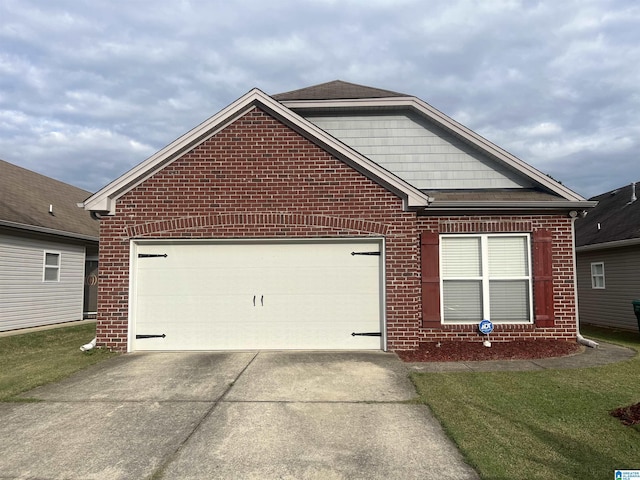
[485,278]
[597,276]
[51,270]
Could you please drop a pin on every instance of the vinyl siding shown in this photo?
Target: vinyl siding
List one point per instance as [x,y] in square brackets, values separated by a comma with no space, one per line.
[419,152]
[25,299]
[611,306]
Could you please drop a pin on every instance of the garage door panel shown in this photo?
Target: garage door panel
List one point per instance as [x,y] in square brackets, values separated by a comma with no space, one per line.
[159,307]
[222,296]
[191,277]
[305,282]
[195,282]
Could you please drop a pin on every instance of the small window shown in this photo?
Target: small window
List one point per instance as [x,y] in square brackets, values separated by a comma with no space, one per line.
[597,275]
[51,267]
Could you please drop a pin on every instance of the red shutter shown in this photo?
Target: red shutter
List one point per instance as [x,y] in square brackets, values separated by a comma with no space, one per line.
[430,272]
[543,307]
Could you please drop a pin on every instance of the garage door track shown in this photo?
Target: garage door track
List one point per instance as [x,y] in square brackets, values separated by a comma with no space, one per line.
[262,415]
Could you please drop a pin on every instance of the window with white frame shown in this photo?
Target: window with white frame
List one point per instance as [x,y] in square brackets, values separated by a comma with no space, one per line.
[597,275]
[51,267]
[486,276]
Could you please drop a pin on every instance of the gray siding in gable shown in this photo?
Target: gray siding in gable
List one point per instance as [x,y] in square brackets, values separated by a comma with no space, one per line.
[25,299]
[419,152]
[611,306]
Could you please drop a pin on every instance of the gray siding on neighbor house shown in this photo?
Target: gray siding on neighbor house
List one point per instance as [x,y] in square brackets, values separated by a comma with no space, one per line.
[419,152]
[28,301]
[611,306]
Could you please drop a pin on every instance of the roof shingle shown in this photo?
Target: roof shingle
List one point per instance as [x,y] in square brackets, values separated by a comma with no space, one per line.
[336,90]
[615,218]
[25,197]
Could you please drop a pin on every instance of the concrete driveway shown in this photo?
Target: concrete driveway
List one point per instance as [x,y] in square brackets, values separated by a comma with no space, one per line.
[262,415]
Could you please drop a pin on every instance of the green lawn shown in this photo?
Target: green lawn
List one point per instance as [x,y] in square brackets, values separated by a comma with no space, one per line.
[551,424]
[33,359]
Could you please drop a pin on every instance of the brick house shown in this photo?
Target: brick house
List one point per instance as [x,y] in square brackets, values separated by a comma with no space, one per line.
[332,217]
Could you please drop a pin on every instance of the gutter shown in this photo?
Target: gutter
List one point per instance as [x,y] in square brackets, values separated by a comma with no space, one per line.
[511,205]
[613,244]
[88,346]
[49,231]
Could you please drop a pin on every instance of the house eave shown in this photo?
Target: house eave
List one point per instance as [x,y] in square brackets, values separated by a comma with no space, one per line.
[607,245]
[104,201]
[48,231]
[511,207]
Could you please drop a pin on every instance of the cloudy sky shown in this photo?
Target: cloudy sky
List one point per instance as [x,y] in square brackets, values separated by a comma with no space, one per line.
[90,89]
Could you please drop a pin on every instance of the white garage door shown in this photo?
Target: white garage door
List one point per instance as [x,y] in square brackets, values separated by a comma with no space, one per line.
[244,295]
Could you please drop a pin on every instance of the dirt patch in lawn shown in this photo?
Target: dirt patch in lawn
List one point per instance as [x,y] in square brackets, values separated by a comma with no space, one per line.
[470,351]
[628,415]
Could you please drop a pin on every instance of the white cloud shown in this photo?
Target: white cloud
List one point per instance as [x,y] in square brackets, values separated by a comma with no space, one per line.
[553,82]
[543,129]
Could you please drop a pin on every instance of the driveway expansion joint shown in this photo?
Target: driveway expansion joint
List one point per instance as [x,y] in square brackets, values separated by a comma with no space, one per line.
[320,402]
[171,457]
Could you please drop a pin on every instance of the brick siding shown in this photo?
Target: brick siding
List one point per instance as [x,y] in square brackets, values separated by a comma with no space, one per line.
[563,286]
[257,178]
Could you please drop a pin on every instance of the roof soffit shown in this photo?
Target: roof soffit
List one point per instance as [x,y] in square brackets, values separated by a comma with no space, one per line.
[104,201]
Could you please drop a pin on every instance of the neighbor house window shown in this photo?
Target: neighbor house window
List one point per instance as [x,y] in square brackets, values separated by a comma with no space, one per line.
[486,277]
[597,275]
[51,267]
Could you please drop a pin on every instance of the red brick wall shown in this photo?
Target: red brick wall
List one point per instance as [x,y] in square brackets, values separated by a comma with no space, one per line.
[563,286]
[259,179]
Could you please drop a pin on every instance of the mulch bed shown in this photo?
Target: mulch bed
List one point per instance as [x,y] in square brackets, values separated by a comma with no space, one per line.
[453,351]
[628,415]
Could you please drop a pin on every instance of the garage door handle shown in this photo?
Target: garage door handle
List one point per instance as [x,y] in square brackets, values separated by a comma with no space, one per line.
[261,300]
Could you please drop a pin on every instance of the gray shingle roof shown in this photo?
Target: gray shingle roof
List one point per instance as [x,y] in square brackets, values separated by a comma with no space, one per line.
[336,90]
[25,197]
[617,217]
[516,194]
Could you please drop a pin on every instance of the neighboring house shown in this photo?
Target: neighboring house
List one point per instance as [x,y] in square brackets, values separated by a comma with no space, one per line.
[46,244]
[608,260]
[332,217]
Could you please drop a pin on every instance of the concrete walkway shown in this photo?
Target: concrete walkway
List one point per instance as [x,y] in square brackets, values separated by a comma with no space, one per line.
[247,415]
[604,354]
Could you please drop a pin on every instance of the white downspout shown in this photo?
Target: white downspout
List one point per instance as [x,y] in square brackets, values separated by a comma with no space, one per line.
[88,346]
[581,340]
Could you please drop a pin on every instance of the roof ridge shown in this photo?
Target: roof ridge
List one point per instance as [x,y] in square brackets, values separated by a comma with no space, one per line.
[614,191]
[336,89]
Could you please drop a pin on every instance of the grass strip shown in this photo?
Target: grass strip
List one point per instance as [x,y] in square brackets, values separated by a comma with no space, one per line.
[542,424]
[32,359]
